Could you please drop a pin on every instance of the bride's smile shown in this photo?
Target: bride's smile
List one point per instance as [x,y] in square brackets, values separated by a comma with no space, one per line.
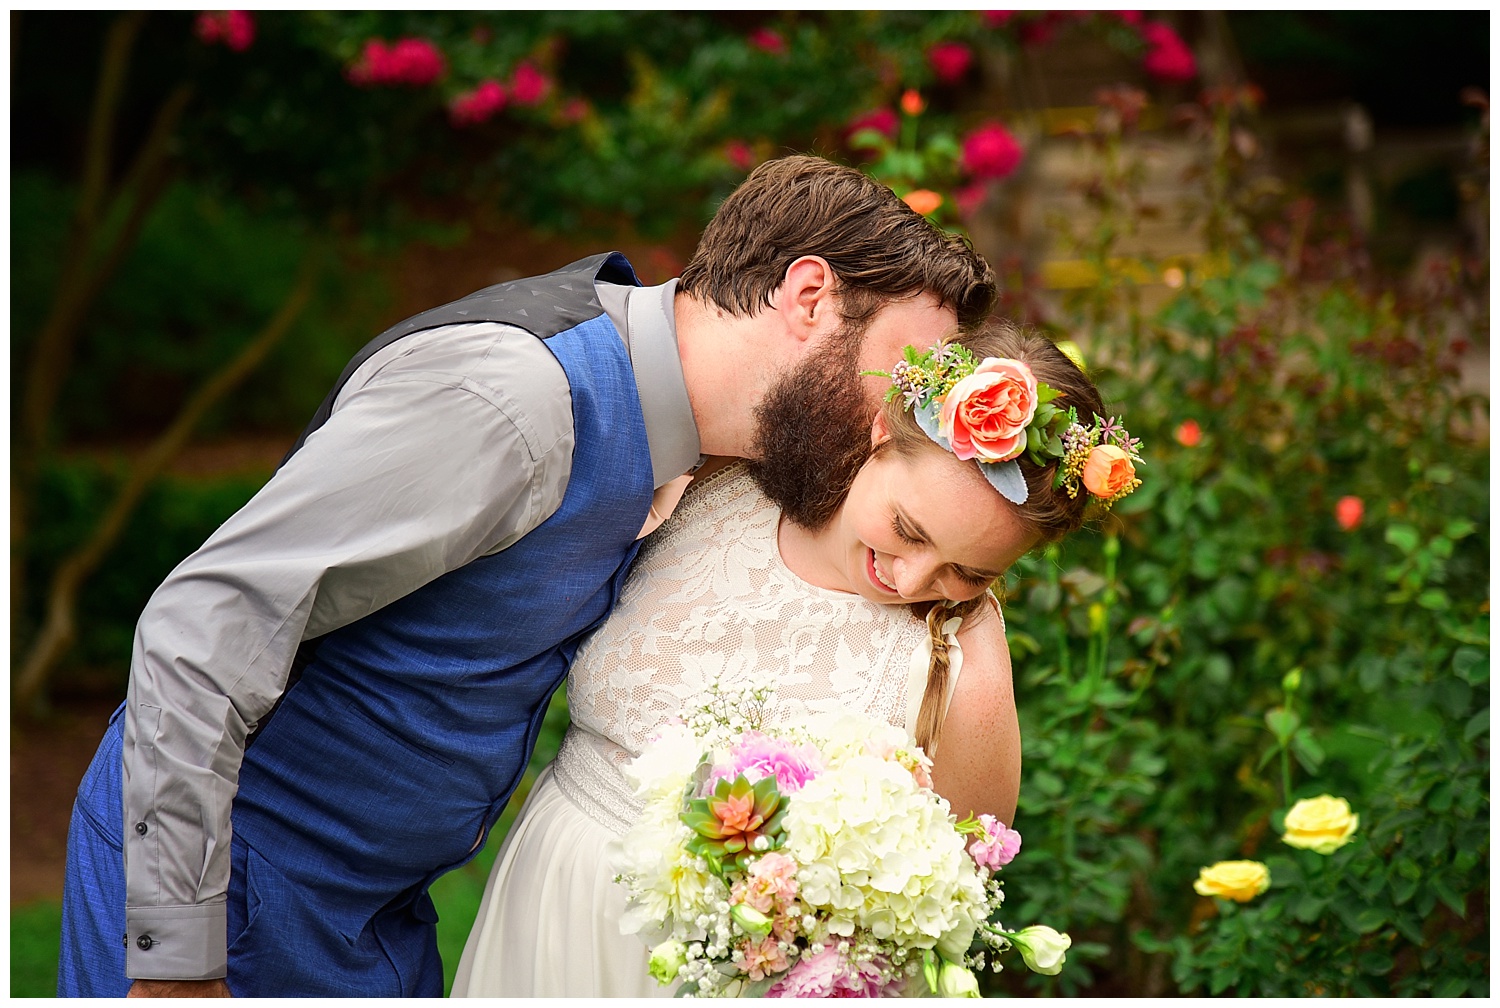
[917,526]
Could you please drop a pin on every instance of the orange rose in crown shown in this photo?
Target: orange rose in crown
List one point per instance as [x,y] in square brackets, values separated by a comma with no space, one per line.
[985,415]
[1108,471]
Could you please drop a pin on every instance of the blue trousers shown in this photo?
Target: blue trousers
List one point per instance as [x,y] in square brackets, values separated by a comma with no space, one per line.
[280,942]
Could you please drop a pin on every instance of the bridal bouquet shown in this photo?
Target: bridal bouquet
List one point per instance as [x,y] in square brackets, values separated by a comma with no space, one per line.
[810,860]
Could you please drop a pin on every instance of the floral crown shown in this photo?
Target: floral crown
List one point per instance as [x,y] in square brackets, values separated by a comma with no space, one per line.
[995,410]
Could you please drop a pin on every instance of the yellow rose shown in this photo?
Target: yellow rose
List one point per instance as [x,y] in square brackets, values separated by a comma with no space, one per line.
[1240,881]
[1322,824]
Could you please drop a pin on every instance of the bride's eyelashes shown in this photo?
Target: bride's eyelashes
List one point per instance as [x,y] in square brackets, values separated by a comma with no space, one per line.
[967,577]
[901,533]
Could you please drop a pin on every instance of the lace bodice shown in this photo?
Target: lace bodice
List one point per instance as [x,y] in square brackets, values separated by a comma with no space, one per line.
[709,597]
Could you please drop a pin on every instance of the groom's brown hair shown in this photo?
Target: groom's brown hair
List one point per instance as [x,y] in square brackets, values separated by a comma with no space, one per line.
[880,249]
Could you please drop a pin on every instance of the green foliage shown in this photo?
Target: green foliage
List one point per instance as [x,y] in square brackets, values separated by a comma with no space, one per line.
[34,949]
[1229,645]
[173,521]
[206,275]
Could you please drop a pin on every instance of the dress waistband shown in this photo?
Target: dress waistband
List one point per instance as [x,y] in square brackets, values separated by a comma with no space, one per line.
[593,782]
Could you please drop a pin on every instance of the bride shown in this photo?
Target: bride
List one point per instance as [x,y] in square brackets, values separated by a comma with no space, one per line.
[885,610]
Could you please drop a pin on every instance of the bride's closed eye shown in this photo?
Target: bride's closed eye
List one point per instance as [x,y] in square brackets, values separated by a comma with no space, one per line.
[968,577]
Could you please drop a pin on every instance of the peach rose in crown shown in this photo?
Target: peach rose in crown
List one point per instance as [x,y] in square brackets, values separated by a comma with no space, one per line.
[1108,471]
[985,415]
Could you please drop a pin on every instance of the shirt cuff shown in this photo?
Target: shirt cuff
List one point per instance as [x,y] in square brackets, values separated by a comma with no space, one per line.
[176,943]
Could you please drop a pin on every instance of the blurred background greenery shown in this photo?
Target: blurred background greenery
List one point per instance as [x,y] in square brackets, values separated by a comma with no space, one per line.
[1267,232]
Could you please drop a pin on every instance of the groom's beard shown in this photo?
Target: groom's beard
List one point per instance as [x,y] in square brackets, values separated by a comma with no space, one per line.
[812,431]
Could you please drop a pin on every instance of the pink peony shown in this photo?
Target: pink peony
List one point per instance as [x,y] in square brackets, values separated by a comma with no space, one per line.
[998,847]
[759,756]
[410,62]
[950,61]
[235,28]
[985,415]
[1168,58]
[528,85]
[768,40]
[829,974]
[990,152]
[477,105]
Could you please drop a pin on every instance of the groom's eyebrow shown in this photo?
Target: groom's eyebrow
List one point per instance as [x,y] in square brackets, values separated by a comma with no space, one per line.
[962,568]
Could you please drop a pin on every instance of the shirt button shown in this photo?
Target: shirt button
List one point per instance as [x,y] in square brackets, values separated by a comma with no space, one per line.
[144,943]
[140,829]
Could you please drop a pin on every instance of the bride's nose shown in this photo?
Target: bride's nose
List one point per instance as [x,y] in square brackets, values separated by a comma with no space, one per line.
[914,575]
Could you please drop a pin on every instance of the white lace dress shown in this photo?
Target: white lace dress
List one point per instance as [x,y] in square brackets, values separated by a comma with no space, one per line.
[709,597]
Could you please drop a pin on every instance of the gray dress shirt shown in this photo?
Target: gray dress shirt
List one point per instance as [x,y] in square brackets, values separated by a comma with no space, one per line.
[448,445]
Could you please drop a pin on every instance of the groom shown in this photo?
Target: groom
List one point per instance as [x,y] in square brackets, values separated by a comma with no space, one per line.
[357,663]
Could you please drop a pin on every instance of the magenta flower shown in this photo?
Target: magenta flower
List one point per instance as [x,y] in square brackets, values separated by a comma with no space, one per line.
[990,152]
[740,155]
[950,61]
[528,85]
[768,40]
[996,18]
[235,28]
[476,106]
[758,756]
[409,62]
[1168,58]
[829,974]
[998,846]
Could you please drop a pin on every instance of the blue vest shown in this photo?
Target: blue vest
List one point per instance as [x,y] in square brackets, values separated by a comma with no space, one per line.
[392,756]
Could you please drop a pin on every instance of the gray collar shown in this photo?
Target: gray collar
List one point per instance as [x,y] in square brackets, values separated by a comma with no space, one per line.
[644,317]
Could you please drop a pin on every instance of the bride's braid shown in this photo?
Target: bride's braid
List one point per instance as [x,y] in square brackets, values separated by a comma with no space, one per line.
[934,707]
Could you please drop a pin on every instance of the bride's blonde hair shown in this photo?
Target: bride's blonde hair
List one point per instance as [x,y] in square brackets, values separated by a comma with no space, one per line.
[1048,512]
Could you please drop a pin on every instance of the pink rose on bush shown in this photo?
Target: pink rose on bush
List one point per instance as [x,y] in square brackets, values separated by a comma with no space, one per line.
[1167,57]
[740,155]
[998,847]
[950,61]
[413,62]
[475,106]
[759,756]
[985,415]
[235,28]
[829,974]
[996,18]
[528,85]
[990,152]
[768,40]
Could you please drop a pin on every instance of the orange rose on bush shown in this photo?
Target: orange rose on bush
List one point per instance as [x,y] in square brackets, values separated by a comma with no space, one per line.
[985,415]
[1108,471]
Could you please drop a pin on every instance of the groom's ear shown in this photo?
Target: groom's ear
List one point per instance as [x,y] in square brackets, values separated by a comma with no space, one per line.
[806,300]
